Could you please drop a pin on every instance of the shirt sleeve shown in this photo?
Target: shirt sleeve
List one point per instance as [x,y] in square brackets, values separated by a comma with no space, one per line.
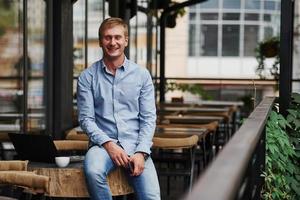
[147,116]
[86,113]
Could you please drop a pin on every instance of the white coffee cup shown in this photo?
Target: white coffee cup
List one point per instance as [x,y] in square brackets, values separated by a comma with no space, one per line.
[62,161]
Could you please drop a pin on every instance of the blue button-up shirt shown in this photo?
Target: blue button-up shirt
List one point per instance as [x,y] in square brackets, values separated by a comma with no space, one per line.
[119,108]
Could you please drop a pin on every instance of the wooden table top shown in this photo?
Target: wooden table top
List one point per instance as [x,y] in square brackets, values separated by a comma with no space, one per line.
[192,119]
[193,109]
[70,181]
[180,132]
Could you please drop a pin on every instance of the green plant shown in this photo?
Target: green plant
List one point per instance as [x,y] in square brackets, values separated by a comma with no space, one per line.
[6,16]
[293,119]
[268,48]
[282,180]
[195,89]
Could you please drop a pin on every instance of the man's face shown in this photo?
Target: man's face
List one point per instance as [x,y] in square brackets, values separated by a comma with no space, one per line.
[113,42]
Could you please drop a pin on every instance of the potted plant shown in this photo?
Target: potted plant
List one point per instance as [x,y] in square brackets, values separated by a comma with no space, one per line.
[268,48]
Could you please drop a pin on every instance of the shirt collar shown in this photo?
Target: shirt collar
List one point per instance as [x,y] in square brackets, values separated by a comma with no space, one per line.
[124,66]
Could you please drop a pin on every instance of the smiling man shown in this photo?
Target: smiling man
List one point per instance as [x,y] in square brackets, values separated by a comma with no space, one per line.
[117,111]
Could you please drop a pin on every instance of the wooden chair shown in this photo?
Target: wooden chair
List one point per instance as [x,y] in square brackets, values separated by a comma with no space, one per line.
[14,173]
[69,145]
[74,135]
[163,145]
[206,143]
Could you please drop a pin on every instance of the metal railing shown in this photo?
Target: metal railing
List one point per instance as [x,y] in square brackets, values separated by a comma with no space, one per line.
[236,171]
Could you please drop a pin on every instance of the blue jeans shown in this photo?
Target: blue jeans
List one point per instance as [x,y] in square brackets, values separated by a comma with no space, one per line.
[98,164]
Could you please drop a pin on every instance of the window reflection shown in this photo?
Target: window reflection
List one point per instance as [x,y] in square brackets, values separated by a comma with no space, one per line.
[268,32]
[11,46]
[36,64]
[250,39]
[192,32]
[251,17]
[209,40]
[95,16]
[232,4]
[192,16]
[78,36]
[269,5]
[231,16]
[267,17]
[252,4]
[230,41]
[210,4]
[12,64]
[209,16]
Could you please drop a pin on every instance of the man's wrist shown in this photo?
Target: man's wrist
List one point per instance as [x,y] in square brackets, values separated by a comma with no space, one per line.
[145,155]
[107,144]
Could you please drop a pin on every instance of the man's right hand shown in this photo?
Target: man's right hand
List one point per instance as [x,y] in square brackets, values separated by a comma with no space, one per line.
[117,154]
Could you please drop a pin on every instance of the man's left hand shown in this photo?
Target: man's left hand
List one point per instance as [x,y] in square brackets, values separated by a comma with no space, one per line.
[138,163]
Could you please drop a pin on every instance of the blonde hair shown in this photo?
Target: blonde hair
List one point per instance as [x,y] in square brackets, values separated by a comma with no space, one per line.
[112,22]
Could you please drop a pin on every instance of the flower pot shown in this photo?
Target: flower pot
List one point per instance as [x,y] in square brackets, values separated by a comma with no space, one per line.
[270,49]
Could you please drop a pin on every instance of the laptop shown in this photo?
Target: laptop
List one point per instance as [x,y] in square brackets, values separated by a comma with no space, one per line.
[34,147]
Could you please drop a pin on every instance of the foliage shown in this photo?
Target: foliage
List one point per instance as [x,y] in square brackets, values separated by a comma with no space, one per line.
[172,16]
[6,16]
[282,175]
[293,119]
[195,89]
[267,49]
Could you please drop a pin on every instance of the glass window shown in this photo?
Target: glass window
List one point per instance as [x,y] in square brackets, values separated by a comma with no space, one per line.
[95,6]
[235,4]
[78,36]
[269,5]
[209,40]
[278,6]
[268,32]
[230,40]
[231,16]
[95,15]
[192,41]
[250,40]
[252,4]
[193,7]
[251,17]
[209,16]
[210,4]
[11,63]
[36,63]
[192,16]
[267,17]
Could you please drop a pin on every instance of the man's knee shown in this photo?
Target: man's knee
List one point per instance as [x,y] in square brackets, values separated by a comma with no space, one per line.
[95,173]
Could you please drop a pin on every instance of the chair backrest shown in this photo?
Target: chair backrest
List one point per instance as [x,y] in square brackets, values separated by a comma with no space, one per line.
[29,180]
[68,145]
[175,143]
[74,135]
[14,172]
[16,165]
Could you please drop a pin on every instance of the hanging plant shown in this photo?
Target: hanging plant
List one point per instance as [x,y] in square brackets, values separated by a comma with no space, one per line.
[172,17]
[268,49]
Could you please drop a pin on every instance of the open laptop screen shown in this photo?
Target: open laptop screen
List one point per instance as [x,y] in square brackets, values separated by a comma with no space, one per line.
[34,147]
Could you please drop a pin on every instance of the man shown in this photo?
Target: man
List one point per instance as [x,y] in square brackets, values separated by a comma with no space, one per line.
[117,110]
